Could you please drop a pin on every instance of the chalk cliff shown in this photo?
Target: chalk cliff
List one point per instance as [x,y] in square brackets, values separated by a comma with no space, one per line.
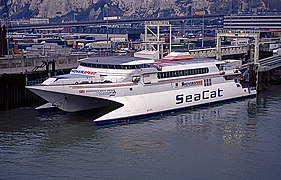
[68,10]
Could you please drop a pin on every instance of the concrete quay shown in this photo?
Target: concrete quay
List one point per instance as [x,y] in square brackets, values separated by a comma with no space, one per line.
[23,65]
[17,72]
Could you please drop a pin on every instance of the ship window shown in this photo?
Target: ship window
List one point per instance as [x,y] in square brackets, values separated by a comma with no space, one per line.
[171,74]
[136,79]
[110,66]
[191,72]
[159,75]
[207,82]
[231,77]
[83,64]
[180,73]
[146,79]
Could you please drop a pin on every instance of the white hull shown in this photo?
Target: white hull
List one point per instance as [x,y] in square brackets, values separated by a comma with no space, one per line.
[134,104]
[71,102]
[155,103]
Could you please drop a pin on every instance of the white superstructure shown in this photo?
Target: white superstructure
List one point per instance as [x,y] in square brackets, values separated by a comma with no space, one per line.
[128,88]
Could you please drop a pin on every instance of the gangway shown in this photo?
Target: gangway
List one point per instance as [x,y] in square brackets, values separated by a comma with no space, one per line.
[239,33]
[270,63]
[212,52]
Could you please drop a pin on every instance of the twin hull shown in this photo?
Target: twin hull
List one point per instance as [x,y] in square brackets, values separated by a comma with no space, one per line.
[132,100]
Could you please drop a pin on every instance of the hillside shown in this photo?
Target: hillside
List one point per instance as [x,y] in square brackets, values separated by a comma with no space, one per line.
[69,10]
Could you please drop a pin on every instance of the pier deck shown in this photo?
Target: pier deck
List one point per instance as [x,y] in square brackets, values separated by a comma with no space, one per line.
[23,65]
[211,52]
[18,70]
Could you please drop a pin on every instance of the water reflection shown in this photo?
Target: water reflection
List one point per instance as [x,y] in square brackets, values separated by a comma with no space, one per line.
[233,122]
[45,131]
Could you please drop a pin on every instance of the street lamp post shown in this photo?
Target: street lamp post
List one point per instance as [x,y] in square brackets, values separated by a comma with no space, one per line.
[7,37]
[203,27]
[8,41]
[74,16]
[106,8]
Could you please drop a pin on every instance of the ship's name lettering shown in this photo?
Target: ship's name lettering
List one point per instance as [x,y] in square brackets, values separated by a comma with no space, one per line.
[76,71]
[192,83]
[107,92]
[207,94]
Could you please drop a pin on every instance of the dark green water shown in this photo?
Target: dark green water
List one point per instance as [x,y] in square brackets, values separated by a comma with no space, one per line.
[237,140]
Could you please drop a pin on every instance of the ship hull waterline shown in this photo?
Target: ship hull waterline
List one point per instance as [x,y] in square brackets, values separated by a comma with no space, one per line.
[142,106]
[145,105]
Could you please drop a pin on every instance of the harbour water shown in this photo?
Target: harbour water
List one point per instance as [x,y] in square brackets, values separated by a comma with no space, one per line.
[236,140]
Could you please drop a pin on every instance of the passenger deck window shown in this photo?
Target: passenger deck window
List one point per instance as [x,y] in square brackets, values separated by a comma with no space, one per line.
[207,82]
[187,72]
[111,66]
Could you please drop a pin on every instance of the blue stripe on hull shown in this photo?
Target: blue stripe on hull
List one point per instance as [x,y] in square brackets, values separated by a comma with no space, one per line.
[145,116]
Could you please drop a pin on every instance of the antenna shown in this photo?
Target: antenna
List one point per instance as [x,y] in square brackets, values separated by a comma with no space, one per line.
[6,20]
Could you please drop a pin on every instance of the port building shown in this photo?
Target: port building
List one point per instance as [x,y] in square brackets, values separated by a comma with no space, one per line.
[259,22]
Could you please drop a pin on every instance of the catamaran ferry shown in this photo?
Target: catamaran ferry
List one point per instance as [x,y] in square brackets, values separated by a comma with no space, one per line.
[133,88]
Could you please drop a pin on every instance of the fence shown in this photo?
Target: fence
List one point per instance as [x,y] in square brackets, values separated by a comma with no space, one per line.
[19,61]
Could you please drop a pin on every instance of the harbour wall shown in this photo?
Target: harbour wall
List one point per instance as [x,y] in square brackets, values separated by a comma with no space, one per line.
[17,72]
[16,64]
[275,76]
[13,93]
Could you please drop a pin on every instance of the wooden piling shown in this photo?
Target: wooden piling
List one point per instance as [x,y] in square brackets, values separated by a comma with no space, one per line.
[13,93]
[263,80]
